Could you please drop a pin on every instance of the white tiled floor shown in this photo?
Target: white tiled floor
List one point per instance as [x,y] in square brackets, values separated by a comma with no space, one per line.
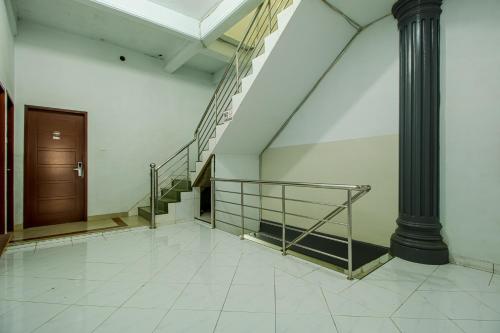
[188,278]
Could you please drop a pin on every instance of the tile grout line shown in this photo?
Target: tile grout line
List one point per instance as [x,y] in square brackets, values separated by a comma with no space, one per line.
[329,309]
[275,301]
[395,325]
[121,306]
[227,293]
[414,291]
[183,289]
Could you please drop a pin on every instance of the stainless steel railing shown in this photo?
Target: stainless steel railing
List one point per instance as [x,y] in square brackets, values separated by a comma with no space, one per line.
[263,23]
[168,176]
[237,202]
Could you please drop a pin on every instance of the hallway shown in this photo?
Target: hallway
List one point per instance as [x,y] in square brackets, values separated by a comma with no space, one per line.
[189,278]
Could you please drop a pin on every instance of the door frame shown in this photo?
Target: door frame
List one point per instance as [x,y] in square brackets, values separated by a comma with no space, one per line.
[3,159]
[10,114]
[34,108]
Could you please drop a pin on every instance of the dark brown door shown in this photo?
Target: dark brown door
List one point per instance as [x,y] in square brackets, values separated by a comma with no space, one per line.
[10,165]
[2,161]
[55,172]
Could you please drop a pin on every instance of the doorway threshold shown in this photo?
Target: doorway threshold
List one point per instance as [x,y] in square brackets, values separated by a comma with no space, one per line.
[76,228]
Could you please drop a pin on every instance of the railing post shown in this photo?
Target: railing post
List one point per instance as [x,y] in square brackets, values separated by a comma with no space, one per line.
[216,107]
[197,136]
[212,203]
[283,217]
[187,167]
[237,71]
[349,234]
[270,16]
[153,190]
[242,213]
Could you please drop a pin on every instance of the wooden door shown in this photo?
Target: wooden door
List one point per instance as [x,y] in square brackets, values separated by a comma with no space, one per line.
[10,164]
[55,146]
[2,160]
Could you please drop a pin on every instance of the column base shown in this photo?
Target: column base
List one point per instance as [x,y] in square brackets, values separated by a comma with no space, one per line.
[437,256]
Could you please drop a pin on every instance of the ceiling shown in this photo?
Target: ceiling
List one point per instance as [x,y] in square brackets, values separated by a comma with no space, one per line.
[197,9]
[77,17]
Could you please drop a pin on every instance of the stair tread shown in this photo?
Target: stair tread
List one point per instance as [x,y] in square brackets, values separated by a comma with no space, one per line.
[148,210]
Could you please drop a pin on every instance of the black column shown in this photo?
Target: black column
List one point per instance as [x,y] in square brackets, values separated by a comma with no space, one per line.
[418,237]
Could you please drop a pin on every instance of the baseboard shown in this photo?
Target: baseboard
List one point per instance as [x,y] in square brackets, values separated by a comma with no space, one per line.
[481,265]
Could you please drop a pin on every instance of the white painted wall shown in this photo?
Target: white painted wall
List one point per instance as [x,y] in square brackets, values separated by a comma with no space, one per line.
[137,113]
[6,50]
[359,96]
[470,132]
[347,133]
[359,99]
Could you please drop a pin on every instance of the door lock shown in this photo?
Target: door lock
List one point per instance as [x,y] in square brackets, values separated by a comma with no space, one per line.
[79,169]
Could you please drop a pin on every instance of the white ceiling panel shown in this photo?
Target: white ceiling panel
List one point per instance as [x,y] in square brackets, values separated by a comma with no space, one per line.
[197,9]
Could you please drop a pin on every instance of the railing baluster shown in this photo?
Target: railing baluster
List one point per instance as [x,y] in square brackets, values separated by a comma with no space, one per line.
[349,234]
[283,217]
[242,213]
[153,193]
[270,16]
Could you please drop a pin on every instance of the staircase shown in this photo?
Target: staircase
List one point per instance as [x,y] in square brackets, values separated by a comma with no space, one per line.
[168,195]
[287,46]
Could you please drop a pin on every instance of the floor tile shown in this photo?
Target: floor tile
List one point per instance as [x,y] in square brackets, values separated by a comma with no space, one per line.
[245,322]
[475,326]
[457,278]
[301,299]
[202,297]
[402,270]
[250,298]
[364,325]
[329,280]
[381,302]
[490,299]
[418,307]
[28,316]
[6,305]
[110,294]
[155,295]
[132,321]
[67,291]
[260,275]
[188,321]
[459,305]
[77,319]
[299,323]
[214,274]
[426,325]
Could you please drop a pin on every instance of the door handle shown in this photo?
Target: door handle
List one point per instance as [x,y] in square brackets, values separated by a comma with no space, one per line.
[79,169]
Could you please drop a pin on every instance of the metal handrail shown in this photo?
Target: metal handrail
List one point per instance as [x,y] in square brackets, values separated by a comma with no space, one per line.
[176,154]
[354,193]
[298,184]
[239,66]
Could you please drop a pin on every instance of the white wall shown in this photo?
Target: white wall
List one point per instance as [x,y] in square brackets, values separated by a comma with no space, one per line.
[347,133]
[470,131]
[6,50]
[137,113]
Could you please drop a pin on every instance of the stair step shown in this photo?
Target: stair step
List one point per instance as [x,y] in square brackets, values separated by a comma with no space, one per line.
[145,212]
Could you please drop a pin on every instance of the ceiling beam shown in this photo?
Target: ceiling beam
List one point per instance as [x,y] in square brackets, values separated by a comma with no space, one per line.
[183,56]
[12,17]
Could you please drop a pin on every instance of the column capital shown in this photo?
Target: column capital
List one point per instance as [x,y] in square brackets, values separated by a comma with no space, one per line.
[408,10]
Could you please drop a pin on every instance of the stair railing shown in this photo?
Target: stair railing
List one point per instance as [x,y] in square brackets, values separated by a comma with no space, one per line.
[263,23]
[218,111]
[238,201]
[168,175]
